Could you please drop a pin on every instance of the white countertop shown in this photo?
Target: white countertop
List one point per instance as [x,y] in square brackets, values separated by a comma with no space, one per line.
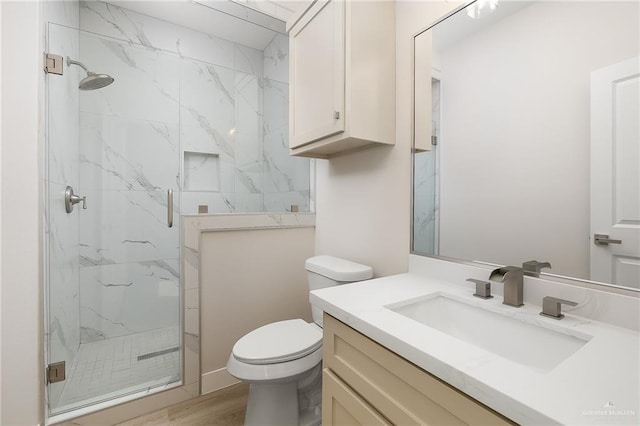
[598,384]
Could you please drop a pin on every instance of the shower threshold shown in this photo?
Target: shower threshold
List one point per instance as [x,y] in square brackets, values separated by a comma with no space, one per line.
[115,399]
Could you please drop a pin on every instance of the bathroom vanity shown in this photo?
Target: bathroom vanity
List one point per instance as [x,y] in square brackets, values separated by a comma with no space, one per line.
[358,370]
[418,348]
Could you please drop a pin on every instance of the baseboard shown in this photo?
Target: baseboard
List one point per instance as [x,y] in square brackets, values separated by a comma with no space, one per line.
[216,380]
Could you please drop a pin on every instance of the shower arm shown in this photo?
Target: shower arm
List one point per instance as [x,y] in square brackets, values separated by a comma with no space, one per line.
[80,64]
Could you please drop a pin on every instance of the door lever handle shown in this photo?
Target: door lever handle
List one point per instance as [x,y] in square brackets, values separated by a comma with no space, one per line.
[603,240]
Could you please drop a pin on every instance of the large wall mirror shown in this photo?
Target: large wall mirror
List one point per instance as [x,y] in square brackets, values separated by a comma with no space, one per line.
[527,137]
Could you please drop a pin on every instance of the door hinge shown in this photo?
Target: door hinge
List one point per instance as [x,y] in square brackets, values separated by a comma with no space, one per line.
[53,64]
[55,372]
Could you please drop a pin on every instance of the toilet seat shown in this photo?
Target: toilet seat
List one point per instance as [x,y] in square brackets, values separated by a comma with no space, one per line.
[278,342]
[290,371]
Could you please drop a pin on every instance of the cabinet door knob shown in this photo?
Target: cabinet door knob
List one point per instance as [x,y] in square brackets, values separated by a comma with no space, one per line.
[336,115]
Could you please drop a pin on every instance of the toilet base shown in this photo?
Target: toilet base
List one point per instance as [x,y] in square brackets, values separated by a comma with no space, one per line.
[272,404]
[296,403]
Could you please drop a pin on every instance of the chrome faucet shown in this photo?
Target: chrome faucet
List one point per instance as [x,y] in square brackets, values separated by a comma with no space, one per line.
[532,267]
[513,279]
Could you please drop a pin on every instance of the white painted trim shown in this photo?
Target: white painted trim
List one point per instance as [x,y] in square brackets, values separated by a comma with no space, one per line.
[216,380]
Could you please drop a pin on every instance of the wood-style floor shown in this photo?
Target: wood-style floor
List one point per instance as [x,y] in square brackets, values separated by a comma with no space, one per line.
[225,407]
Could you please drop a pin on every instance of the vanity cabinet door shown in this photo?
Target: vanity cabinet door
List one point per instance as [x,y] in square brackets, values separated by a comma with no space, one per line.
[400,391]
[342,406]
[342,77]
[317,44]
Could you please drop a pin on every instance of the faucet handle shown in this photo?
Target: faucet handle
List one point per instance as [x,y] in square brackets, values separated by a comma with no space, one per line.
[483,288]
[551,307]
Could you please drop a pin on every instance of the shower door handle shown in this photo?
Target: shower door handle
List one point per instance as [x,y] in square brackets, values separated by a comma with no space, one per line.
[170,208]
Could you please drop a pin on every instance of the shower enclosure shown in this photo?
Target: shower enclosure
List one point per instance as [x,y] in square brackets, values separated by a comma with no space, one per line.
[192,122]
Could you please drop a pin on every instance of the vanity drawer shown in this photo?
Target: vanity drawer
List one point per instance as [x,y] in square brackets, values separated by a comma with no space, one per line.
[399,390]
[342,406]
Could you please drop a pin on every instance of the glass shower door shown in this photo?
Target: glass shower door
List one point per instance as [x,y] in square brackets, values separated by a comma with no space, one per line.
[113,265]
[426,197]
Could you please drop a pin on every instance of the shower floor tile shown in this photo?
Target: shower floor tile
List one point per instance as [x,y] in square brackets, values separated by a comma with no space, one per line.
[110,368]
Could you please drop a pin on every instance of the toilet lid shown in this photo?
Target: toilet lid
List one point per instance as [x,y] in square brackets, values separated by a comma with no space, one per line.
[278,342]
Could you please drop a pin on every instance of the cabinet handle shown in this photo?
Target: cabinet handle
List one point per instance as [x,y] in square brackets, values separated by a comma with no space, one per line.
[336,115]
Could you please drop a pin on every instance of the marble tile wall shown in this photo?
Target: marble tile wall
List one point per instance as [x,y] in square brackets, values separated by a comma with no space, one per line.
[177,92]
[286,179]
[243,119]
[207,126]
[129,157]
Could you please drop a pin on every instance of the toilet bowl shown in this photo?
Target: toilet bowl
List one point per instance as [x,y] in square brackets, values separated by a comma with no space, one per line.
[282,361]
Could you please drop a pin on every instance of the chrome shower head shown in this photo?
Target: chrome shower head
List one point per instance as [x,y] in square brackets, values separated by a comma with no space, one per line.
[95,81]
[92,81]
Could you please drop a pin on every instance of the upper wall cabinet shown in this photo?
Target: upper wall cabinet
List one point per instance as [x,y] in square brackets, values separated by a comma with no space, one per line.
[342,77]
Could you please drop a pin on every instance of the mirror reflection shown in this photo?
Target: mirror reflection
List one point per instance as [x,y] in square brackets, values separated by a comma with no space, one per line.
[527,142]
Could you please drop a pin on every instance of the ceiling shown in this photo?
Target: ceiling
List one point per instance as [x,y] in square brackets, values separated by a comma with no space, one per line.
[253,24]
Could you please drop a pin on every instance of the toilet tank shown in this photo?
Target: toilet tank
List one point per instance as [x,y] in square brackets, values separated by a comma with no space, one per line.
[327,271]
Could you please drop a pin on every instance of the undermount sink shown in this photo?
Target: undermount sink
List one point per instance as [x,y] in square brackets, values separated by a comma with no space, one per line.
[514,339]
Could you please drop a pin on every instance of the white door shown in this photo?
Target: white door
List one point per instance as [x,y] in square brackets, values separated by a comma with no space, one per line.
[615,174]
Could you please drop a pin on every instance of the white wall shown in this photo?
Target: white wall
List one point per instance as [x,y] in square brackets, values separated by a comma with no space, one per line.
[22,373]
[363,198]
[515,176]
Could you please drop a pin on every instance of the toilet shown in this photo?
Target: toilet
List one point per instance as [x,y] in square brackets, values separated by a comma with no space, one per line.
[282,361]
